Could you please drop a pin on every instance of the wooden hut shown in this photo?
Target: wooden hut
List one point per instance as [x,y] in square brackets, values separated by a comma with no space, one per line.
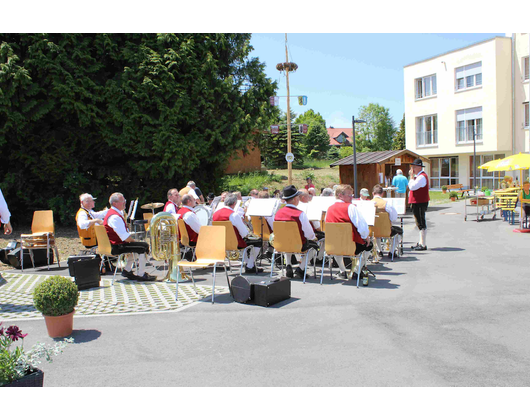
[376,167]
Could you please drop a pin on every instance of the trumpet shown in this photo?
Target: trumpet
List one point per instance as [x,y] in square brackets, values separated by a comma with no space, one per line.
[165,244]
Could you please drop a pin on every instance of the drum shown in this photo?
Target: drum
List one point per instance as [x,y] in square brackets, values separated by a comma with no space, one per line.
[203,214]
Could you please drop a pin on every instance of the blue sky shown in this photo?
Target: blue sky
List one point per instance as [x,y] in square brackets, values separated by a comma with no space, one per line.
[340,72]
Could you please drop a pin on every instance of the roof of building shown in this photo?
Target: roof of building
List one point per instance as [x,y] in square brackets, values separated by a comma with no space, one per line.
[336,132]
[364,158]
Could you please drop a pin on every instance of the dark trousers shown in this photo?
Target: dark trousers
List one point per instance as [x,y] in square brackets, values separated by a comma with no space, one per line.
[130,247]
[254,242]
[419,210]
[362,247]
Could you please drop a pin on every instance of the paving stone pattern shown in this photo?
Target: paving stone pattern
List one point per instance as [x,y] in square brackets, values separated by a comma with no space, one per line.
[16,296]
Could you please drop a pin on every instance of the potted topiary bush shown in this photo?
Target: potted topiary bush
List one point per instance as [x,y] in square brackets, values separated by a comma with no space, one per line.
[444,188]
[453,195]
[56,298]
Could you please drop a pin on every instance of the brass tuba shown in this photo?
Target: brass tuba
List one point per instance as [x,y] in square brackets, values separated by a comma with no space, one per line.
[165,244]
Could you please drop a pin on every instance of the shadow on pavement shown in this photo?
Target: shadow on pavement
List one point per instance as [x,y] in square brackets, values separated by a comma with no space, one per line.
[446,248]
[84,336]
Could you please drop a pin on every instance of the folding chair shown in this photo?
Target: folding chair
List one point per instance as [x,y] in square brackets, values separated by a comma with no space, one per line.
[287,241]
[210,250]
[105,248]
[42,236]
[184,237]
[257,223]
[232,245]
[339,242]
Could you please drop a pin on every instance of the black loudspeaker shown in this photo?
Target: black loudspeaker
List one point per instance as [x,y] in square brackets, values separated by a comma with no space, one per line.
[72,259]
[260,292]
[87,273]
[39,257]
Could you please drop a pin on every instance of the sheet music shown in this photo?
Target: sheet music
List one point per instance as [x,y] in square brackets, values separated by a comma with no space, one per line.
[215,203]
[367,209]
[397,203]
[318,205]
[262,207]
[222,206]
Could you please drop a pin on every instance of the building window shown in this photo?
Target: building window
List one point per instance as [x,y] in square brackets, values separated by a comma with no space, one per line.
[486,179]
[526,115]
[469,122]
[444,171]
[526,69]
[427,130]
[426,86]
[468,76]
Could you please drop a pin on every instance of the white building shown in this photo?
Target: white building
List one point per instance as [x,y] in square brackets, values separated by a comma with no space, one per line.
[480,93]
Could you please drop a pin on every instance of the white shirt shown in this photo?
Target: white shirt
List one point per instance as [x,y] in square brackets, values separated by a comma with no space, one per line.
[306,226]
[83,220]
[118,225]
[390,209]
[4,211]
[417,182]
[191,219]
[236,220]
[357,219]
[171,207]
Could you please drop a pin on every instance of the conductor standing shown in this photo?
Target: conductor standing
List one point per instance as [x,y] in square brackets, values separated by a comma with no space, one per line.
[419,198]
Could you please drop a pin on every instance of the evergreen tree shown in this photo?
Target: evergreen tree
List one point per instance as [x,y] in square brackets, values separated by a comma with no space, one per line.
[399,143]
[135,113]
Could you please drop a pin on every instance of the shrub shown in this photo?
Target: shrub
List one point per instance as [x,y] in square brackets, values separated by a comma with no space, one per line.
[345,151]
[453,194]
[444,188]
[247,182]
[56,296]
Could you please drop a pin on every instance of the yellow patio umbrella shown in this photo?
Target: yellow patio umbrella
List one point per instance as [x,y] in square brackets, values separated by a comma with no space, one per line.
[519,162]
[489,164]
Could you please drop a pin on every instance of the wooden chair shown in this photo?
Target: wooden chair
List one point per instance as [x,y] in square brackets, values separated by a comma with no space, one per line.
[257,223]
[210,250]
[339,242]
[184,237]
[105,248]
[232,245]
[42,236]
[287,241]
[382,229]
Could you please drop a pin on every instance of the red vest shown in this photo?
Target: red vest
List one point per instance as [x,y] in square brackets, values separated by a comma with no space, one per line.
[113,236]
[421,195]
[223,215]
[194,236]
[291,214]
[168,203]
[338,213]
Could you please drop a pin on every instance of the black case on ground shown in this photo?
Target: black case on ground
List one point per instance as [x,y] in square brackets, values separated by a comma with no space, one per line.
[260,291]
[87,273]
[72,259]
[39,255]
[5,251]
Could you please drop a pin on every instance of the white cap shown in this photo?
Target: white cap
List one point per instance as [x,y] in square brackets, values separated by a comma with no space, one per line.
[365,192]
[84,196]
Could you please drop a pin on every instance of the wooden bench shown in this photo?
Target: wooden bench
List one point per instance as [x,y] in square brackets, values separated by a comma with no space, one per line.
[458,188]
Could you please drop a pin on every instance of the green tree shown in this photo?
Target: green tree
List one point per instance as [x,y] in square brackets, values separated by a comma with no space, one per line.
[377,133]
[316,142]
[399,143]
[135,113]
[346,151]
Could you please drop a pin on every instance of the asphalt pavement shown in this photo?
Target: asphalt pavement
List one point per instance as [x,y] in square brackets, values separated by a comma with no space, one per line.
[454,315]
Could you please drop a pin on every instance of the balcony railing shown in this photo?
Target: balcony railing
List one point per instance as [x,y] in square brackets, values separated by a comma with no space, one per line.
[427,138]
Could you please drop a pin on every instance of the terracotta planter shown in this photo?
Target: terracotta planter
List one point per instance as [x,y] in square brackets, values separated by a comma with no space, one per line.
[60,326]
[453,198]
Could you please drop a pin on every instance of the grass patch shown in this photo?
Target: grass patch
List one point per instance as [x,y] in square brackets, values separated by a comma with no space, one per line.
[250,181]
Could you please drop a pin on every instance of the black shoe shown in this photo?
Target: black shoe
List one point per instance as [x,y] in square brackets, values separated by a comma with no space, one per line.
[145,277]
[299,273]
[381,254]
[128,274]
[253,270]
[289,271]
[420,248]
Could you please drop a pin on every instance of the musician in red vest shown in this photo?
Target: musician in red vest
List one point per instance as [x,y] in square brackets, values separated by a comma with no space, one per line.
[343,211]
[228,213]
[173,201]
[122,241]
[193,224]
[419,198]
[291,213]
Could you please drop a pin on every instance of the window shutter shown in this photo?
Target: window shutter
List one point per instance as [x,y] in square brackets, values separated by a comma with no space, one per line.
[478,79]
[434,85]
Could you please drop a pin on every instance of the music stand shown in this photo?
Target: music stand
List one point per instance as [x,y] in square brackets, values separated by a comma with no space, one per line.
[262,207]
